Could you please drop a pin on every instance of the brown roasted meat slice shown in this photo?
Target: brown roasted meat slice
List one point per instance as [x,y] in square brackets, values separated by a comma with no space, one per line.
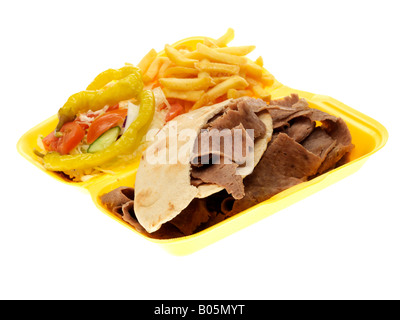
[216,165]
[120,202]
[222,174]
[284,110]
[319,142]
[115,199]
[331,141]
[192,217]
[211,146]
[300,128]
[284,164]
[242,111]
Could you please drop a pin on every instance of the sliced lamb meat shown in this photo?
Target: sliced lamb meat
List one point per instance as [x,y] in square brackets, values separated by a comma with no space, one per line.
[338,131]
[319,142]
[287,101]
[120,202]
[221,174]
[334,156]
[211,163]
[286,109]
[211,145]
[128,215]
[284,164]
[196,182]
[115,199]
[192,217]
[242,111]
[331,141]
[300,128]
[318,115]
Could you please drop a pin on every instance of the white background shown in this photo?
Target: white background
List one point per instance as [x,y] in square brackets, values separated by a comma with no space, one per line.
[341,243]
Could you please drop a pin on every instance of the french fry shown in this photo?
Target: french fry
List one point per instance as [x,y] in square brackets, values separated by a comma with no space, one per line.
[214,68]
[204,100]
[181,72]
[259,91]
[204,74]
[259,61]
[226,38]
[232,94]
[178,58]
[237,51]
[210,43]
[235,82]
[220,56]
[146,61]
[193,95]
[164,67]
[153,69]
[267,79]
[217,80]
[195,55]
[252,69]
[183,47]
[186,84]
[252,81]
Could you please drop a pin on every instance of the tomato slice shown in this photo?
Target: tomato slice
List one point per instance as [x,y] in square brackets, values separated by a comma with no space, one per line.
[114,107]
[71,135]
[105,122]
[50,142]
[122,112]
[176,110]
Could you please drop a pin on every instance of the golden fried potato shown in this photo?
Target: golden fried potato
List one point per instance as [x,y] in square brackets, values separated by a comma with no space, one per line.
[234,82]
[186,84]
[192,95]
[215,68]
[181,72]
[237,51]
[178,58]
[226,38]
[146,61]
[216,56]
[153,69]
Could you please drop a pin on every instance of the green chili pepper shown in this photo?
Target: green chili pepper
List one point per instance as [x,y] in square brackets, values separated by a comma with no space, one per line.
[126,144]
[124,89]
[111,74]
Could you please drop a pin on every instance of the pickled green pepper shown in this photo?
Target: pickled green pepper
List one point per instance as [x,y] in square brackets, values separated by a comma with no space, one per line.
[126,144]
[126,87]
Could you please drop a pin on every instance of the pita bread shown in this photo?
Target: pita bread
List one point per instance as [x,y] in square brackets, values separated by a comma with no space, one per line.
[163,188]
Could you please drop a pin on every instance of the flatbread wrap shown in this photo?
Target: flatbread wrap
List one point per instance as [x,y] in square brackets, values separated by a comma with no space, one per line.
[164,188]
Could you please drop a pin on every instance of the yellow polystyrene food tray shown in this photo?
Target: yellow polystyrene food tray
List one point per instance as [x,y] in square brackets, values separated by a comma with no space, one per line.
[368,137]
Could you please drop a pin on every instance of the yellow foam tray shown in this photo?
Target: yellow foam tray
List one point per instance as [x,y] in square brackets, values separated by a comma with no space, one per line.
[368,137]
